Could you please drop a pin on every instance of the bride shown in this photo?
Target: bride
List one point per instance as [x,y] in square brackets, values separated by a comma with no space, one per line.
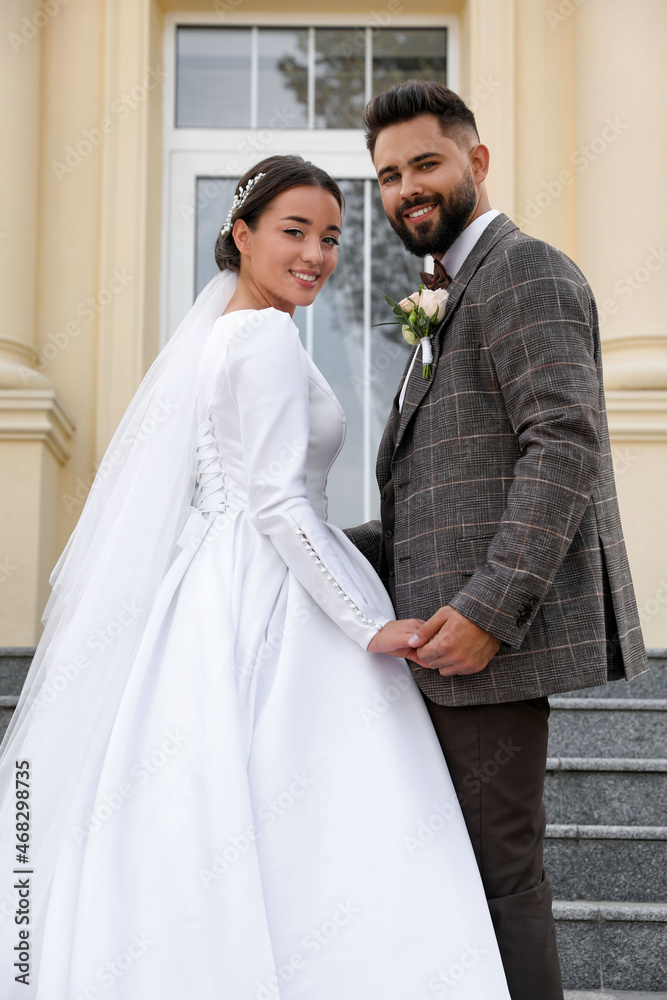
[217,784]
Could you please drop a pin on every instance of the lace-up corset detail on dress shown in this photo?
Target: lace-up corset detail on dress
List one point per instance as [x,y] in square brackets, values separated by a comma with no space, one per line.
[213,492]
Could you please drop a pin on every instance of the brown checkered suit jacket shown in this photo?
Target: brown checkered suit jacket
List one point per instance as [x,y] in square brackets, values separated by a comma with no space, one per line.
[505,498]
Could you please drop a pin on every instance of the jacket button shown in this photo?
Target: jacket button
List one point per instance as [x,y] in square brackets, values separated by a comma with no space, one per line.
[383,496]
[522,620]
[391,571]
[388,533]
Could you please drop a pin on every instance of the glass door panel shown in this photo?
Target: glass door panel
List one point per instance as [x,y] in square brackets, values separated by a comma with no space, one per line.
[338,351]
[213,200]
[361,360]
[395,273]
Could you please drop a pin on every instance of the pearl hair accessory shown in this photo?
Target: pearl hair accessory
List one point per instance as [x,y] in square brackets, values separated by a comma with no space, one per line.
[239,199]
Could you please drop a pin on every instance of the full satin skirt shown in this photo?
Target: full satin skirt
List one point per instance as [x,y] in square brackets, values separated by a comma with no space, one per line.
[268,815]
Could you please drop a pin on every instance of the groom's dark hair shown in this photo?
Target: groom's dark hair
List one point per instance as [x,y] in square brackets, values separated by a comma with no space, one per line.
[405,101]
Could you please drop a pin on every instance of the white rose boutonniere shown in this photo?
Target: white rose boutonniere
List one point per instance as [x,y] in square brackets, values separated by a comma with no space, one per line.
[419,315]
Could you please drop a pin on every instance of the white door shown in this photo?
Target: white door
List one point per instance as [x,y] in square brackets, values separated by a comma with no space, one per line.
[245,91]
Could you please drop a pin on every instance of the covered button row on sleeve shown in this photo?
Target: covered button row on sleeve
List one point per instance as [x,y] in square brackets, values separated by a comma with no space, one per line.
[336,586]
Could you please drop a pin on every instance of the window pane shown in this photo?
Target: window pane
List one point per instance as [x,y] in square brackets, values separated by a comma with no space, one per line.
[339,77]
[214,197]
[213,77]
[283,77]
[214,73]
[408,53]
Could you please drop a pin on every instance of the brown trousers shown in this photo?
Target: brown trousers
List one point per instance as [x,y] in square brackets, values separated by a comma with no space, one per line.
[496,756]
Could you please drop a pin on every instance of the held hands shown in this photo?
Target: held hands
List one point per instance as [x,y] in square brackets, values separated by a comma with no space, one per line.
[451,644]
[393,639]
[448,642]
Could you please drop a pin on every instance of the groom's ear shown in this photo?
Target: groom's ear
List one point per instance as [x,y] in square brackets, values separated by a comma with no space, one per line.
[479,162]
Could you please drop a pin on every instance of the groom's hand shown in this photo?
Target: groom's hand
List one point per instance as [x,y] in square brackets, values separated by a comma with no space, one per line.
[451,644]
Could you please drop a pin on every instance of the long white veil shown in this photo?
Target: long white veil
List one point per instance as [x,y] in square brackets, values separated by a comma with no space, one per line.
[104,586]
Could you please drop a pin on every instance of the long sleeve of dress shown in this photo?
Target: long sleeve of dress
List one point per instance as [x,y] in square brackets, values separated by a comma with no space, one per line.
[269,383]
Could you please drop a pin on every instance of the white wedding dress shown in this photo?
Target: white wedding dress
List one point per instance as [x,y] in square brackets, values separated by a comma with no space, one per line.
[271,815]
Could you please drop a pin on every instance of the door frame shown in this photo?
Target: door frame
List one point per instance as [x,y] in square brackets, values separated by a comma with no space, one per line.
[192,153]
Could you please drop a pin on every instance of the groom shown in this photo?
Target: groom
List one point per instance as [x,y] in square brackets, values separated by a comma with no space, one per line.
[500,524]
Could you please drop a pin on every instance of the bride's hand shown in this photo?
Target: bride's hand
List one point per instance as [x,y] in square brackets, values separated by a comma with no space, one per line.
[394,639]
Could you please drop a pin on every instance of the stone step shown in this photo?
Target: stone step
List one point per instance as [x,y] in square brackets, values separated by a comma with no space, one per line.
[611,945]
[7,706]
[612,995]
[652,684]
[15,660]
[605,790]
[608,727]
[14,663]
[607,862]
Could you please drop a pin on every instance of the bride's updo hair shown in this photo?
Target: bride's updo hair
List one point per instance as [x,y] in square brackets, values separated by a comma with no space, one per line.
[280,174]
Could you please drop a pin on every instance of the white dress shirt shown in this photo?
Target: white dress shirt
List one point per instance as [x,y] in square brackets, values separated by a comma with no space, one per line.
[453,261]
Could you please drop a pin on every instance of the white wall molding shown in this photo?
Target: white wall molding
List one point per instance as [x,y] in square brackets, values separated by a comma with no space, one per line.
[36,415]
[637,415]
[636,361]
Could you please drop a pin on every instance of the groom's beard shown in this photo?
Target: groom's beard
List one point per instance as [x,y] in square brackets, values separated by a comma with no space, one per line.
[453,215]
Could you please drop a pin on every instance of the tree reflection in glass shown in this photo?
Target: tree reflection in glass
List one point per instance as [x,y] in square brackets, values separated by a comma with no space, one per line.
[282,84]
[408,53]
[339,77]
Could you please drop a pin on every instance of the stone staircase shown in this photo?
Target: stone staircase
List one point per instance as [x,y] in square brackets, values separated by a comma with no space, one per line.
[612,995]
[14,663]
[605,849]
[606,843]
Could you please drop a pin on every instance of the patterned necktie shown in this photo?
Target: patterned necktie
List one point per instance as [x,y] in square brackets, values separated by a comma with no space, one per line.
[439,278]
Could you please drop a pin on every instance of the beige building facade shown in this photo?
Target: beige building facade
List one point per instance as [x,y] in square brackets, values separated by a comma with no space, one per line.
[99,189]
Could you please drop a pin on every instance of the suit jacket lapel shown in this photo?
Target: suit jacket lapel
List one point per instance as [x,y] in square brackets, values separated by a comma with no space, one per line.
[418,386]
